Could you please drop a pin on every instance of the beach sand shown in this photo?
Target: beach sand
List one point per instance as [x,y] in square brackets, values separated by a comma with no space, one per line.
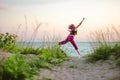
[78,69]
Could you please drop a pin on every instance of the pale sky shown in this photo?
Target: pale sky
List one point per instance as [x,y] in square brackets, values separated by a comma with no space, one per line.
[56,15]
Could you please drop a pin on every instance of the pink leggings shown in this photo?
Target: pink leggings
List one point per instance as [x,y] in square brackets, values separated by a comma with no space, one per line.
[70,38]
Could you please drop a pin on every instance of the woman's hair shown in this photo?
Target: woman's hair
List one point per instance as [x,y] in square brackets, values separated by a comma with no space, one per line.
[71,26]
[73,31]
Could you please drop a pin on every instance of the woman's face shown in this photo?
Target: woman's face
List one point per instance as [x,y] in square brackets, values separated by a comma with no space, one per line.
[71,28]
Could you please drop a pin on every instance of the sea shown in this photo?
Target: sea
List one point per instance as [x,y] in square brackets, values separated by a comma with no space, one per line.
[84,47]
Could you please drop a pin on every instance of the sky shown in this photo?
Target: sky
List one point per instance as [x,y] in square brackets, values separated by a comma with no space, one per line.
[22,17]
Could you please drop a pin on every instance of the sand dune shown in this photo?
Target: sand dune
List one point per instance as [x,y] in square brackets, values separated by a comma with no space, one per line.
[78,69]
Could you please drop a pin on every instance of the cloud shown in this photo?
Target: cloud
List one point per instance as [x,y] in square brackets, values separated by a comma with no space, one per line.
[3,6]
[31,2]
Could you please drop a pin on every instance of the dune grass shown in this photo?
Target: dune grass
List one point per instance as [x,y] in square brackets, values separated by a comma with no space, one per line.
[19,66]
[107,45]
[26,61]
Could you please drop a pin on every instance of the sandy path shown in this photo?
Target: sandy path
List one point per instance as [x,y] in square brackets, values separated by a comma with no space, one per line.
[77,69]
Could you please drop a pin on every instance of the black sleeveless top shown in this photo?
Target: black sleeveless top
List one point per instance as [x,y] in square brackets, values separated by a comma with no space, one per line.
[74,32]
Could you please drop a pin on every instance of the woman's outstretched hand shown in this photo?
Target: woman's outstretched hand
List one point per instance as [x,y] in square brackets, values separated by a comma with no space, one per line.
[83,18]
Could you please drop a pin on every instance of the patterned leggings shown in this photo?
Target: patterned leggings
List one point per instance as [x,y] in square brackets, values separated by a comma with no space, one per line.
[70,38]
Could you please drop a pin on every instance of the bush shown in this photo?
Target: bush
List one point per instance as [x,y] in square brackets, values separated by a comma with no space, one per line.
[1,70]
[116,50]
[12,49]
[107,45]
[101,53]
[17,68]
[30,50]
[53,55]
[8,42]
[7,39]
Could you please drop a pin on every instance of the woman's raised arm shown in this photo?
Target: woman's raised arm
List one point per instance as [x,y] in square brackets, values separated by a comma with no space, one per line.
[80,23]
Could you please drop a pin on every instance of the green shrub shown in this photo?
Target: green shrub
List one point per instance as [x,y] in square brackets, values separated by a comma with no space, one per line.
[1,40]
[1,70]
[8,42]
[107,45]
[101,53]
[7,39]
[17,68]
[30,50]
[116,50]
[113,58]
[116,53]
[118,62]
[48,57]
[12,49]
[44,78]
[53,55]
[38,63]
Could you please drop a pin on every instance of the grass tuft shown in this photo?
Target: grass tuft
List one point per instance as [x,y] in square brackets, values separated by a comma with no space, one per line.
[107,45]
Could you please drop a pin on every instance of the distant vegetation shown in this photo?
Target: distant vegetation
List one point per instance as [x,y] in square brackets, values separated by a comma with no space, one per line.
[26,61]
[106,46]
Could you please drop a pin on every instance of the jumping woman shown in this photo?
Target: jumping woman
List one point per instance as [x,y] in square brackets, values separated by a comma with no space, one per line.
[70,38]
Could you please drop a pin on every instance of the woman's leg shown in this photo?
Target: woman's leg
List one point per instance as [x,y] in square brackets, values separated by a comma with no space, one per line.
[75,46]
[78,52]
[63,42]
